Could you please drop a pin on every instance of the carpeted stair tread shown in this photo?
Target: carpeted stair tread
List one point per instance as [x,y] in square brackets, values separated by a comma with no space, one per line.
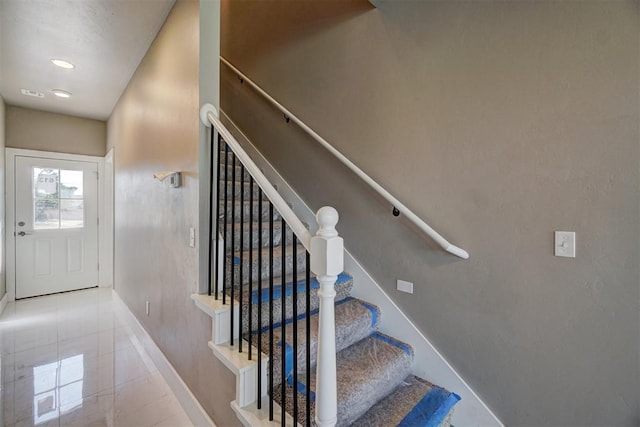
[355,320]
[343,289]
[367,371]
[415,402]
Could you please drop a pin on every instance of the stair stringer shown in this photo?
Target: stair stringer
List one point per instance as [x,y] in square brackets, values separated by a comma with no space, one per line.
[428,363]
[244,369]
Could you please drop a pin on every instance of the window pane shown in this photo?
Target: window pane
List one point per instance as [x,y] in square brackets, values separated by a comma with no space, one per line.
[71,184]
[45,212]
[45,182]
[71,213]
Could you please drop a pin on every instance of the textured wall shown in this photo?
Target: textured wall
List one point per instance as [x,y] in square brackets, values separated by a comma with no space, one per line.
[41,130]
[498,123]
[3,270]
[154,128]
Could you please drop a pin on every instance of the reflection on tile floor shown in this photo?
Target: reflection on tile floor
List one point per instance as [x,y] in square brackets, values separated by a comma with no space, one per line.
[72,360]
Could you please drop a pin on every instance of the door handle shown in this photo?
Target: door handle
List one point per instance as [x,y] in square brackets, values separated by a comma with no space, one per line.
[22,233]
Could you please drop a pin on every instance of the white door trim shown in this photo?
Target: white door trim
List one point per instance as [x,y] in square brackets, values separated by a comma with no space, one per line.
[10,247]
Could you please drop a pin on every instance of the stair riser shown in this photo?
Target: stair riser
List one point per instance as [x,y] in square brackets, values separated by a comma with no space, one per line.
[228,172]
[254,242]
[264,274]
[360,326]
[236,189]
[246,208]
[342,292]
[230,156]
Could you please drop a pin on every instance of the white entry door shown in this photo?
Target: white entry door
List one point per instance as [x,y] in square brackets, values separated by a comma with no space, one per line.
[56,225]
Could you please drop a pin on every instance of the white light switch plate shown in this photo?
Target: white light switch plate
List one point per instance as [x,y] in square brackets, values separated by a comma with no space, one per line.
[403,286]
[565,244]
[192,237]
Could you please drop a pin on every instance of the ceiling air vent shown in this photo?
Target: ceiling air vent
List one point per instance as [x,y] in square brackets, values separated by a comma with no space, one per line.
[34,93]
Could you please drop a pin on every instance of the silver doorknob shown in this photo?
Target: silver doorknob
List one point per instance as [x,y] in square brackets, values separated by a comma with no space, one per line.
[22,233]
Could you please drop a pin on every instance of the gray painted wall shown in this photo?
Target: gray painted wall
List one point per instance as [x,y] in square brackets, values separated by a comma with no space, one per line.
[3,269]
[45,131]
[498,123]
[154,128]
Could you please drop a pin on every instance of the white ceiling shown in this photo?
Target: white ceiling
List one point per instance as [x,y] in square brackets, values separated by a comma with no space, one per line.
[105,39]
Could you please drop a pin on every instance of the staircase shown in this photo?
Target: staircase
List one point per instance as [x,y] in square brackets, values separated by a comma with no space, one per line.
[272,305]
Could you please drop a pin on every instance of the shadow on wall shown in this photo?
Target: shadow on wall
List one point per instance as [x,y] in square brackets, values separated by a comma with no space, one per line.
[310,19]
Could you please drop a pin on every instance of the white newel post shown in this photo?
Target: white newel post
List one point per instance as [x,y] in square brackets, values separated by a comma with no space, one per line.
[327,261]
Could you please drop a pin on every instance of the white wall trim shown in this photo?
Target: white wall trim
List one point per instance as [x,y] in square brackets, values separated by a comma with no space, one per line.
[10,213]
[188,401]
[3,303]
[428,362]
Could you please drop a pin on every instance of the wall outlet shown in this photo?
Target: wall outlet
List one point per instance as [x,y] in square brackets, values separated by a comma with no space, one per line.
[565,244]
[192,237]
[403,286]
[147,306]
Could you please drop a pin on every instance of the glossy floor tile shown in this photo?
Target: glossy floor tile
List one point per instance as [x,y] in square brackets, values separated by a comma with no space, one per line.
[72,360]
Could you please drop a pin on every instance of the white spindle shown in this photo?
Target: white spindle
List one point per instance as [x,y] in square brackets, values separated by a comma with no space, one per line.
[327,261]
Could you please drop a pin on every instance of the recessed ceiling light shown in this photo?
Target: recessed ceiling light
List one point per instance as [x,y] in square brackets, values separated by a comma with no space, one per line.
[34,93]
[63,64]
[61,93]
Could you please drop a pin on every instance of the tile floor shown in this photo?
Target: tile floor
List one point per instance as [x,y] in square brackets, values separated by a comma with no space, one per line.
[72,360]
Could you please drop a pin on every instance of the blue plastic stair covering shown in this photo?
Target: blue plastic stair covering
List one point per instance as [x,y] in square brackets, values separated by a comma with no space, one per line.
[432,410]
[355,320]
[415,402]
[367,371]
[300,285]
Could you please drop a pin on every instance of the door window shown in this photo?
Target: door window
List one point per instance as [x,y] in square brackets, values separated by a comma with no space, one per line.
[58,198]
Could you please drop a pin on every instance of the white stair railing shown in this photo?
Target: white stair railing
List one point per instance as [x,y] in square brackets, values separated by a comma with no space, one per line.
[326,256]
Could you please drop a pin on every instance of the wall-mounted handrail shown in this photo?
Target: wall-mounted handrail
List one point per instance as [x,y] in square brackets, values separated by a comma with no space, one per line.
[209,116]
[444,243]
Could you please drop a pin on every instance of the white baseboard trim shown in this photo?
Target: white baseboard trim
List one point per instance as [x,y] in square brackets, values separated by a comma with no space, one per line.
[429,363]
[3,302]
[188,401]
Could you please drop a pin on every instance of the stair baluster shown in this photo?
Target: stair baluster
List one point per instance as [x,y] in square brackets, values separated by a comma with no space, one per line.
[224,229]
[283,319]
[212,241]
[232,270]
[251,269]
[271,311]
[307,296]
[259,327]
[294,248]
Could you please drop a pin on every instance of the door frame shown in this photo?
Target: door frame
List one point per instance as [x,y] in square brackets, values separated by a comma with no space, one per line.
[104,258]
